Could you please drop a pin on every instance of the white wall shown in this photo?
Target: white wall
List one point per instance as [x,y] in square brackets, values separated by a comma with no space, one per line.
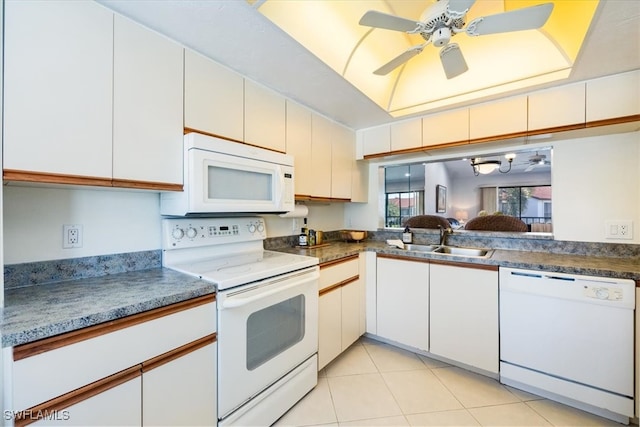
[113,222]
[436,174]
[594,180]
[322,216]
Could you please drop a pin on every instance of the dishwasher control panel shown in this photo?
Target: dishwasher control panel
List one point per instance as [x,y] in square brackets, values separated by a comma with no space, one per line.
[603,293]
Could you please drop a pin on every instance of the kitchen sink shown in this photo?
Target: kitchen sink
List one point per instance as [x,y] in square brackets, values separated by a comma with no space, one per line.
[420,248]
[468,252]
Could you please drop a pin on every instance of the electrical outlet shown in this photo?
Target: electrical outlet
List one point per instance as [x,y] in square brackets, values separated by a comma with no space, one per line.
[619,230]
[71,236]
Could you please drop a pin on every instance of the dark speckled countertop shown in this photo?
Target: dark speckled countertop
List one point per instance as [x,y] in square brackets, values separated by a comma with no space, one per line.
[619,267]
[36,312]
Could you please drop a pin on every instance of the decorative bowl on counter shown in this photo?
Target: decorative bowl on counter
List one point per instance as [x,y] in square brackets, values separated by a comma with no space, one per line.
[353,235]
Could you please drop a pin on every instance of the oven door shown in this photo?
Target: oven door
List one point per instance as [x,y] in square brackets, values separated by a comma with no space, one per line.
[265,330]
[257,186]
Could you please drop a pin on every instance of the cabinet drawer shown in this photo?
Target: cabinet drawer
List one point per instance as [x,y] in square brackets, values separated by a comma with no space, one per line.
[337,272]
[54,366]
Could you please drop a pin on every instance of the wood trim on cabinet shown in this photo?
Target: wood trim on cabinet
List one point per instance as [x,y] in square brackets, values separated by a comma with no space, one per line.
[404,257]
[338,261]
[338,285]
[50,407]
[465,265]
[613,121]
[190,130]
[53,178]
[178,352]
[556,129]
[147,185]
[47,344]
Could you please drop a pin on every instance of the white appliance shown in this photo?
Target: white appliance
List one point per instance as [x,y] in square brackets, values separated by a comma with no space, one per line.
[267,313]
[569,338]
[229,177]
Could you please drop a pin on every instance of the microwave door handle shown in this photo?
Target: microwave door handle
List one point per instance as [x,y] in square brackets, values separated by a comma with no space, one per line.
[280,191]
[237,301]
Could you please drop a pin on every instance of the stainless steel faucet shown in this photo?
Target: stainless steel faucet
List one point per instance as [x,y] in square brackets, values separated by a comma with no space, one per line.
[443,234]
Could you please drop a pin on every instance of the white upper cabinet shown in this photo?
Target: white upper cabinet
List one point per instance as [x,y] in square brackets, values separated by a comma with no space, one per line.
[498,118]
[264,117]
[445,128]
[147,105]
[406,135]
[614,96]
[376,140]
[213,98]
[298,138]
[343,149]
[58,87]
[321,144]
[561,106]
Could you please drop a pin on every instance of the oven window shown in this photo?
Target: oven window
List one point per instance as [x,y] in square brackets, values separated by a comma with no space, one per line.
[273,330]
[234,184]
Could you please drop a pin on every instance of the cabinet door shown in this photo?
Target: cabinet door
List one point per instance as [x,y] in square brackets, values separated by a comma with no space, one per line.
[614,96]
[342,155]
[403,302]
[557,107]
[147,109]
[299,146]
[264,117]
[321,142]
[182,391]
[117,406]
[329,326]
[58,73]
[213,97]
[445,128]
[406,135]
[499,118]
[376,140]
[464,315]
[351,297]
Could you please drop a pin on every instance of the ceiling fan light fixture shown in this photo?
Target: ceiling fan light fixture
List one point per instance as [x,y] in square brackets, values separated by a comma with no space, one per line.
[484,167]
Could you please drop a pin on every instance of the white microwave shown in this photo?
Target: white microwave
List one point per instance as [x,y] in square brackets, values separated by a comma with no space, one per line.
[228,177]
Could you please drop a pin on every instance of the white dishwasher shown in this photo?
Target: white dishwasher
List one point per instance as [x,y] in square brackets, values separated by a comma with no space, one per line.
[569,338]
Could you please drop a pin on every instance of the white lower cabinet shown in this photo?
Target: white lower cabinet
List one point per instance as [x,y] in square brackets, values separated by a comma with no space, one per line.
[402,308]
[464,315]
[339,308]
[153,368]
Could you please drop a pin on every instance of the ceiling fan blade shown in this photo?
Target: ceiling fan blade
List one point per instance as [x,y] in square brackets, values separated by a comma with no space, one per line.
[459,6]
[526,18]
[530,168]
[399,60]
[452,60]
[390,22]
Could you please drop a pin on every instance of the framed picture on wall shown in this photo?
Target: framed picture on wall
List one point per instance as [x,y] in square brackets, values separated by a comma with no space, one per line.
[441,198]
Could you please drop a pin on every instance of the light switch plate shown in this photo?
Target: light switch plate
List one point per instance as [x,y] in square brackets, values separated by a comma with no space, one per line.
[622,230]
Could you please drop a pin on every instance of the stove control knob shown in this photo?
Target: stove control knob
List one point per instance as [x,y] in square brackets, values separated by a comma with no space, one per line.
[192,232]
[252,228]
[260,227]
[177,233]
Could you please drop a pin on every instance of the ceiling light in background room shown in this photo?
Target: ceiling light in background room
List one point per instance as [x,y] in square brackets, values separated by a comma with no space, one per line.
[485,167]
[497,63]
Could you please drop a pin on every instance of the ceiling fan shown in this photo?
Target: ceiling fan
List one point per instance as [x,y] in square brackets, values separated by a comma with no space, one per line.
[537,160]
[446,18]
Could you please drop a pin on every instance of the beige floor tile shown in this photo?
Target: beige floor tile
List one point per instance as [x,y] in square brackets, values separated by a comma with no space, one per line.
[354,360]
[419,391]
[360,397]
[523,395]
[432,363]
[514,414]
[562,415]
[386,421]
[314,409]
[388,358]
[460,417]
[473,390]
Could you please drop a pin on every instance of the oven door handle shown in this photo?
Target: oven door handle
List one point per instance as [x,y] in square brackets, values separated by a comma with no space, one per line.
[237,301]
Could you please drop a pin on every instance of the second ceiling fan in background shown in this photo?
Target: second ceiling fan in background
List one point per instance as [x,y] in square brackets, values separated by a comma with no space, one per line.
[446,18]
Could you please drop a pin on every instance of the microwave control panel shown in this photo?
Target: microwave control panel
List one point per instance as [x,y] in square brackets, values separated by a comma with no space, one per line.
[193,232]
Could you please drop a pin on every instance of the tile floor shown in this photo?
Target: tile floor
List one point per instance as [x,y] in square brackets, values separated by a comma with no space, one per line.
[375,384]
